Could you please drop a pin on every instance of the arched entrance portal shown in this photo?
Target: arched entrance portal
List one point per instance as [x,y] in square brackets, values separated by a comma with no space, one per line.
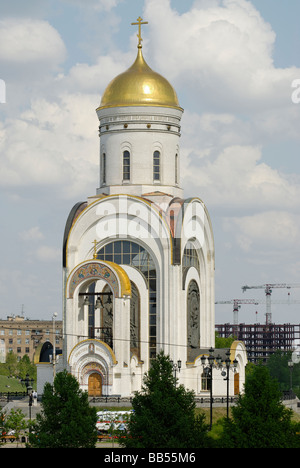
[95,385]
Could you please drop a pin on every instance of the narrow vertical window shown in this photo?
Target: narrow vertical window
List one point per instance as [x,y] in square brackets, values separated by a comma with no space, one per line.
[176,168]
[126,165]
[103,168]
[156,165]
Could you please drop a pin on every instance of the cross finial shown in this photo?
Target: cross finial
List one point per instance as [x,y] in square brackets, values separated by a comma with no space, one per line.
[95,249]
[139,35]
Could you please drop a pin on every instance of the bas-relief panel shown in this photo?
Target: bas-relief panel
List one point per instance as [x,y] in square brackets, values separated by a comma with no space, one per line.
[193,320]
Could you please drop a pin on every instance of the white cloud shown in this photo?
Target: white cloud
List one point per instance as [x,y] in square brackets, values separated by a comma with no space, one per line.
[48,254]
[96,5]
[83,77]
[32,234]
[222,53]
[29,41]
[237,178]
[54,144]
[271,230]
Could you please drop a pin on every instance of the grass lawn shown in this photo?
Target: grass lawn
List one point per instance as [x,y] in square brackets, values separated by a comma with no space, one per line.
[8,384]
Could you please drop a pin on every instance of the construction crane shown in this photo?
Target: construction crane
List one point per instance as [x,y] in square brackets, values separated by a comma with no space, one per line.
[268,291]
[237,305]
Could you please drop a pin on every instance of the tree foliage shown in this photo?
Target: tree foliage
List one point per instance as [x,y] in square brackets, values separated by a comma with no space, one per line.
[260,420]
[14,368]
[164,413]
[221,342]
[279,369]
[16,422]
[66,419]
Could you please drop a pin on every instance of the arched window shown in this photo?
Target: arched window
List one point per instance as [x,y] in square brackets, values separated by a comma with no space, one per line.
[103,169]
[205,382]
[190,257]
[156,165]
[176,169]
[126,165]
[125,252]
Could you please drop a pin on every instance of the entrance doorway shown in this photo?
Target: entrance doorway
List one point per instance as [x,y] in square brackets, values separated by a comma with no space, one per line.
[236,383]
[95,385]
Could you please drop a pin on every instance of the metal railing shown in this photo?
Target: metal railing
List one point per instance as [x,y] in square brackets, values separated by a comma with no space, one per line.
[9,396]
[198,400]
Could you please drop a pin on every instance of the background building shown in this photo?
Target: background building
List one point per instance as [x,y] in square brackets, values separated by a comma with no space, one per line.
[262,339]
[23,336]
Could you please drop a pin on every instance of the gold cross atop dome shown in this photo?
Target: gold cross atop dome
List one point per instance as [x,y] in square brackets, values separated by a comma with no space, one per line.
[139,35]
[139,85]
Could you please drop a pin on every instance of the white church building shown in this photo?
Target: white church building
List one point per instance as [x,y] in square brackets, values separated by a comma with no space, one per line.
[138,258]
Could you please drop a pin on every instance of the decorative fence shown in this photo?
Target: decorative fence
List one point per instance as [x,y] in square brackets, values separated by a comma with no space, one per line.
[221,400]
[9,396]
[125,400]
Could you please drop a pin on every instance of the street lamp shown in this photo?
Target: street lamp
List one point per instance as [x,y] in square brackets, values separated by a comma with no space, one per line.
[291,366]
[30,401]
[210,362]
[175,367]
[208,372]
[228,367]
[28,383]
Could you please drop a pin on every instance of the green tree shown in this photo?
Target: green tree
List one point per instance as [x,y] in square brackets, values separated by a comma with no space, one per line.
[279,369]
[24,367]
[260,420]
[11,364]
[221,342]
[164,413]
[66,419]
[16,422]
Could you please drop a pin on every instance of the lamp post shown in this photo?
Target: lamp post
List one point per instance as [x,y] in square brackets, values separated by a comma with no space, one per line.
[175,367]
[291,366]
[30,401]
[216,362]
[28,384]
[226,374]
[208,372]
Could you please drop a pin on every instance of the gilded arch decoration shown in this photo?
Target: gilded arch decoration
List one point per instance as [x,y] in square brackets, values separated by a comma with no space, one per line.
[117,280]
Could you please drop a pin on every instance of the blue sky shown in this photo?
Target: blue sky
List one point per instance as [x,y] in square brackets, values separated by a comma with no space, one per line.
[232,63]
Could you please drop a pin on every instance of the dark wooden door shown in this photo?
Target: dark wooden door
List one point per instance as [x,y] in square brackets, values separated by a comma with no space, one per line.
[95,384]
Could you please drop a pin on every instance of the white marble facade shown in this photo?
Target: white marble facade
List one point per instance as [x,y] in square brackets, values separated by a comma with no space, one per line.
[138,258]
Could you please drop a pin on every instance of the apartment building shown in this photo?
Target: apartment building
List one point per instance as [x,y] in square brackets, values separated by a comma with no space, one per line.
[22,336]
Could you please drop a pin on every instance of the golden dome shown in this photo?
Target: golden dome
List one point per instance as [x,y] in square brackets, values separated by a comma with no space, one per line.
[139,86]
